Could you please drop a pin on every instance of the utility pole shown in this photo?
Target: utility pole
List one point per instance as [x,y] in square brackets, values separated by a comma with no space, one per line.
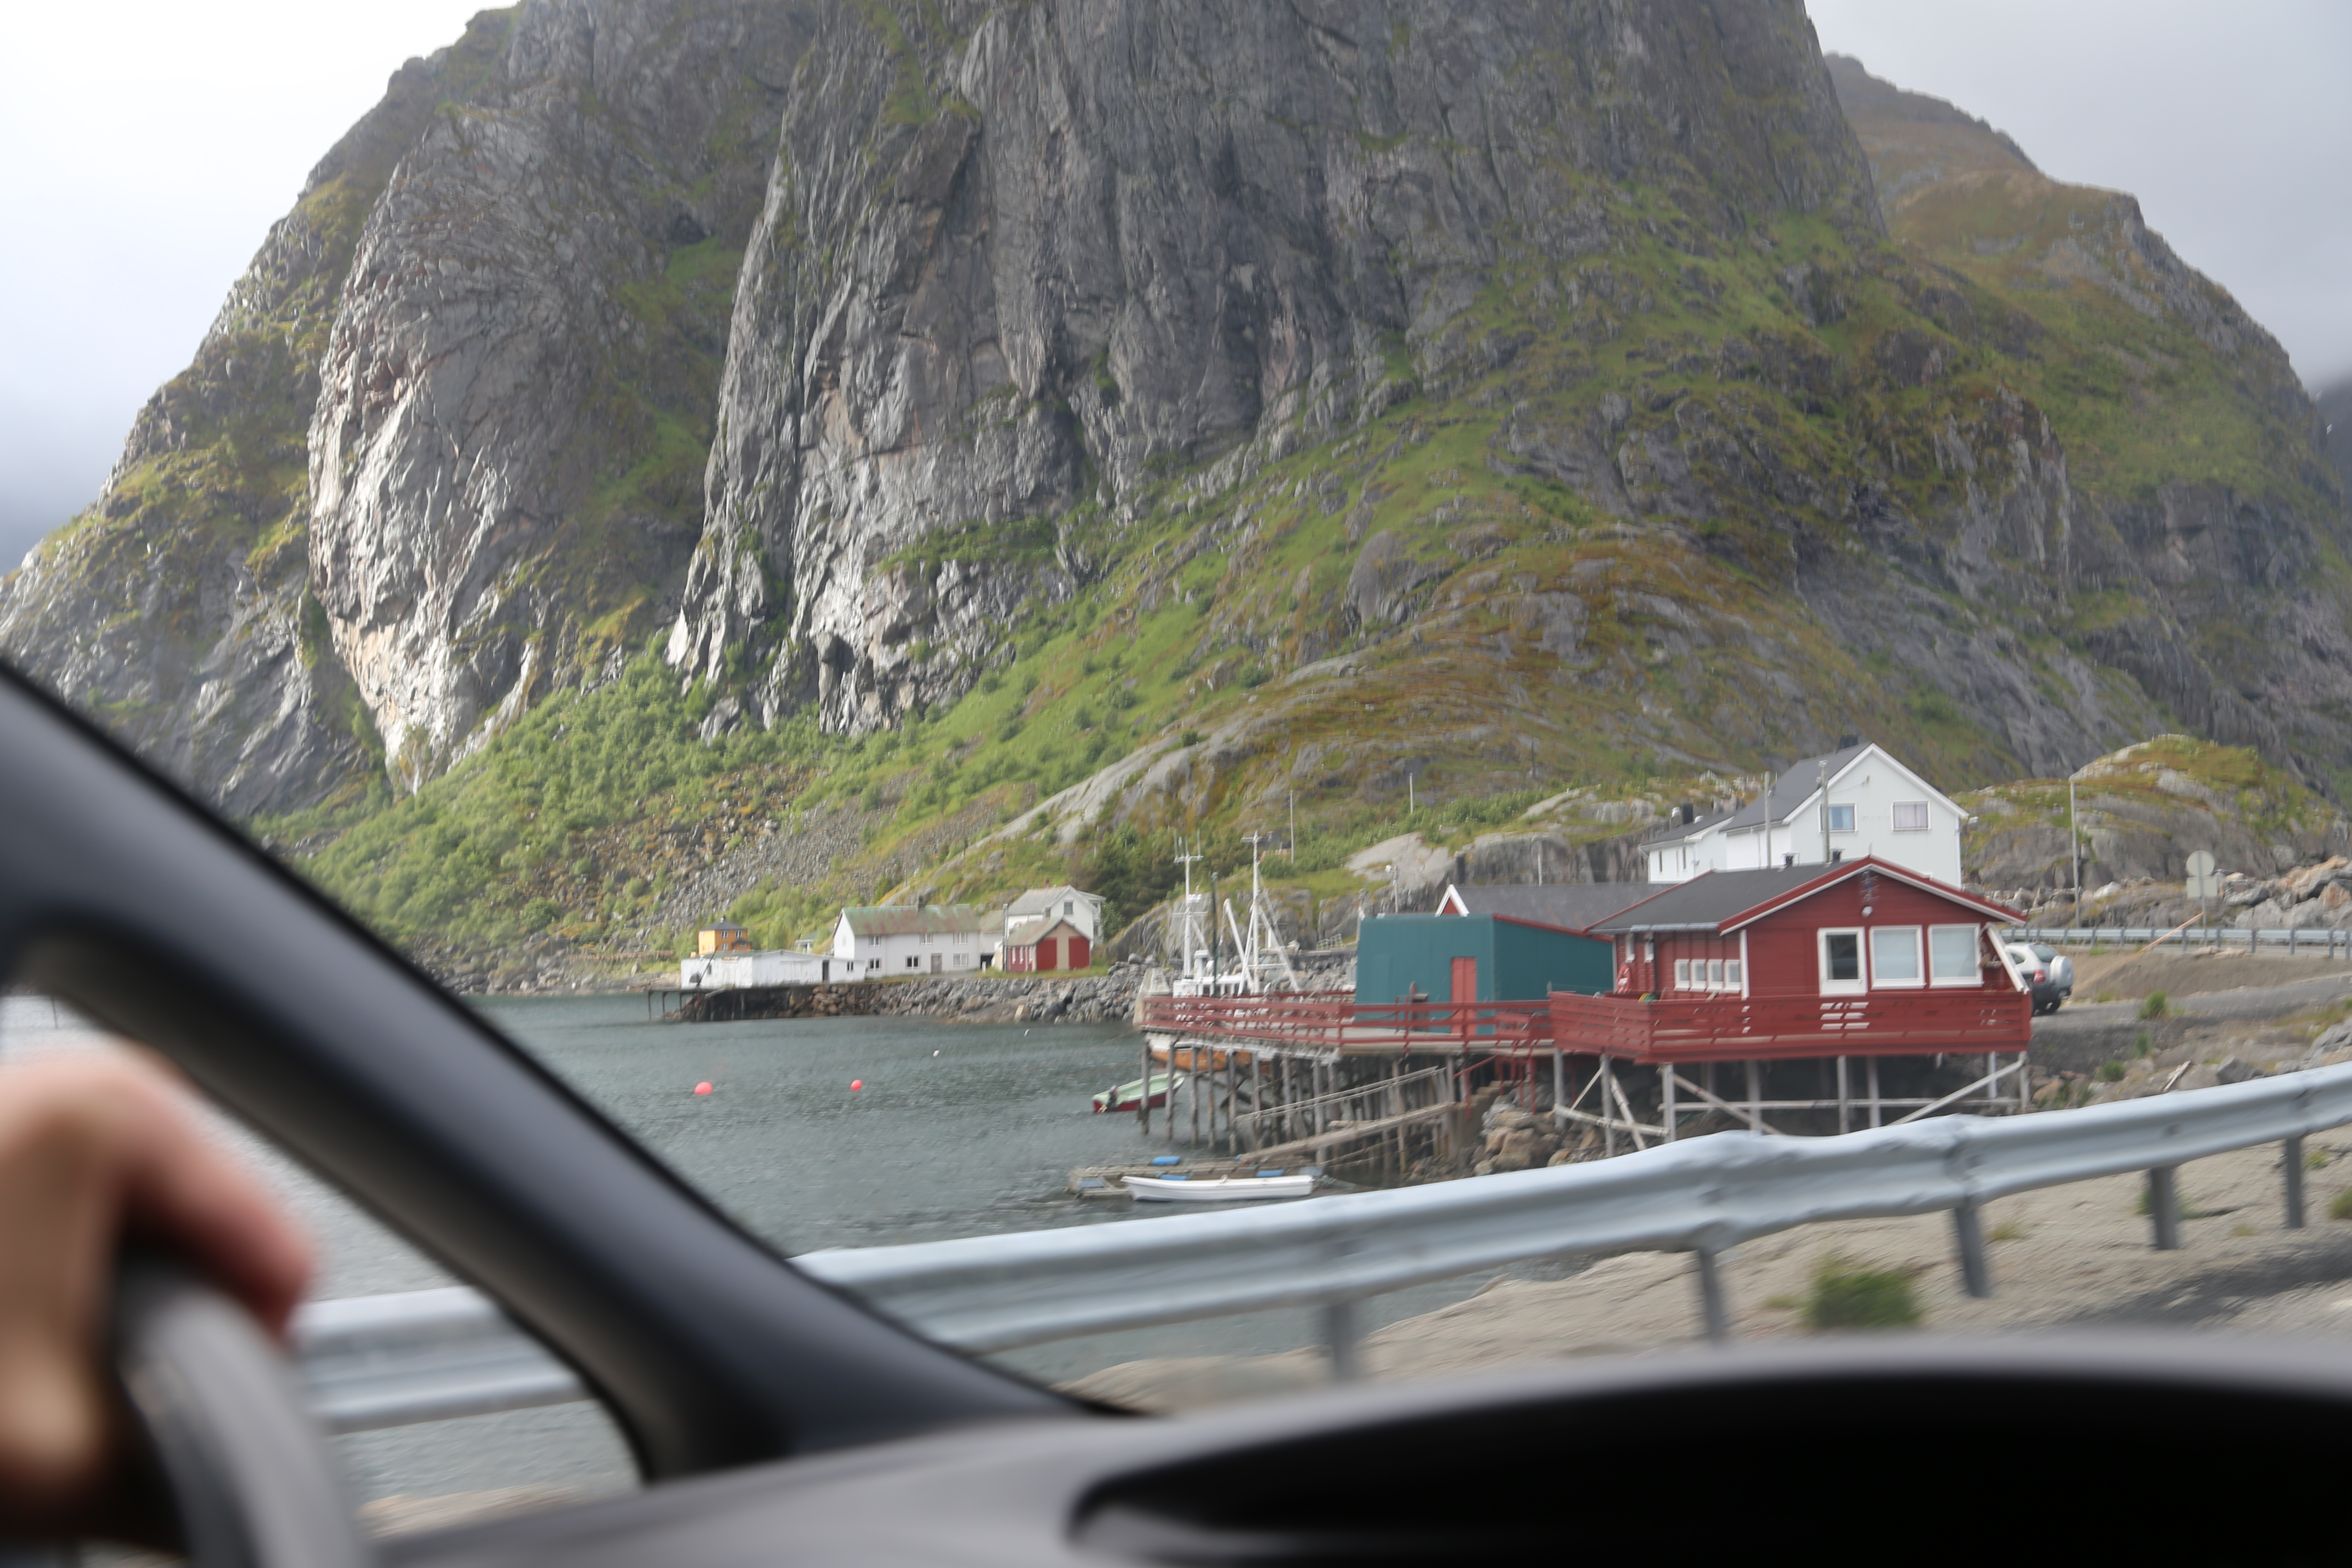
[1822,770]
[2074,847]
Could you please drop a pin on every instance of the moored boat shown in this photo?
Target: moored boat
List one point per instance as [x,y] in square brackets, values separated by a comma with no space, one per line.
[1127,1096]
[1218,1189]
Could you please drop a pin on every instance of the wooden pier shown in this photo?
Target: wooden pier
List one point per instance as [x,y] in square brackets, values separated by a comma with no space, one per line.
[1378,1085]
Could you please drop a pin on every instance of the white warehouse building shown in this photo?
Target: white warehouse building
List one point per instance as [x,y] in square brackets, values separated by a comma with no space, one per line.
[875,942]
[1854,802]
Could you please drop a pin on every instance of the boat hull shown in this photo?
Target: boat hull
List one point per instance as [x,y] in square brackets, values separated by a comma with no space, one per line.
[1219,1190]
[1128,1095]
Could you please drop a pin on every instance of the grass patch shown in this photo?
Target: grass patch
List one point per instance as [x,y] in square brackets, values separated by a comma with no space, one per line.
[1847,1297]
[2190,1210]
[2007,1230]
[2111,1072]
[2156,1005]
[2315,1159]
[2340,1207]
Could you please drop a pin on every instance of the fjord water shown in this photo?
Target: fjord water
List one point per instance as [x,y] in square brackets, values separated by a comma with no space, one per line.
[957,1130]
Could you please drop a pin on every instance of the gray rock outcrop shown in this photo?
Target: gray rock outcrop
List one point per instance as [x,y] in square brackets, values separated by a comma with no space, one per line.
[1010,269]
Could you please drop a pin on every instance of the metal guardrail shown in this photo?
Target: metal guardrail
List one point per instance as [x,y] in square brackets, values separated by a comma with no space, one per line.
[2320,939]
[422,1355]
[381,1361]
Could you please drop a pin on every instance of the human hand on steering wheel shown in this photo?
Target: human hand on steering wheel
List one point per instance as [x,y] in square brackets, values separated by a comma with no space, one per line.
[98,1151]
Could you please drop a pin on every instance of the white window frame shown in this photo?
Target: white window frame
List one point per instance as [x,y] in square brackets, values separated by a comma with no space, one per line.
[1714,974]
[1682,974]
[1735,975]
[1879,980]
[1900,806]
[1852,816]
[1854,988]
[1974,976]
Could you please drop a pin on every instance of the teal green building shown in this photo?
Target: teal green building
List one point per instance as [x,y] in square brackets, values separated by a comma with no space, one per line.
[1476,957]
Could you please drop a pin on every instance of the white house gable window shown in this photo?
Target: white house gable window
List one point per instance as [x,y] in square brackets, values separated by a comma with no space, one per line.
[1910,816]
[1895,957]
[1841,954]
[1952,956]
[1841,818]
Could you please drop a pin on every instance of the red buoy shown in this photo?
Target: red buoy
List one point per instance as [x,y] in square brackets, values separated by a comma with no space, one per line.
[703,1088]
[856,1084]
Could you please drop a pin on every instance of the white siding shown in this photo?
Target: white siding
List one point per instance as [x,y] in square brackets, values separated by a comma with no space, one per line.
[1873,784]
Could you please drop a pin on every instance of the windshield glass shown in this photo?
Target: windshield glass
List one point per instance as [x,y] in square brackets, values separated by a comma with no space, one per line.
[965,654]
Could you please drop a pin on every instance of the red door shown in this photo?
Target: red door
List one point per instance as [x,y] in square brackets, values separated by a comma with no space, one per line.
[1465,993]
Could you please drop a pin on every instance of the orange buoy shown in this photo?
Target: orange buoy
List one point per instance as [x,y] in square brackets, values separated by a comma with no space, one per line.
[856,1084]
[702,1088]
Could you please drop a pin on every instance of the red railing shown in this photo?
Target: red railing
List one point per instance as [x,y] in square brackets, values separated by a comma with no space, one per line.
[1724,1028]
[1329,1020]
[1730,1028]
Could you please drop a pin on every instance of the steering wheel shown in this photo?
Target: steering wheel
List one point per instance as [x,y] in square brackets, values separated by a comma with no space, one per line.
[249,1469]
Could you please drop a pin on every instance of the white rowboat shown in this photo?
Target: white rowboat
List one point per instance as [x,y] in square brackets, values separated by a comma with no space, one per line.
[1219,1189]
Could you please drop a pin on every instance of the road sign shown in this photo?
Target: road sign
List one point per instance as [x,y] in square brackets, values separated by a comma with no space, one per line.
[2203,883]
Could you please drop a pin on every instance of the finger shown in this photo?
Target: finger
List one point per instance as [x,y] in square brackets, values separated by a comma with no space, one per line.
[185,1190]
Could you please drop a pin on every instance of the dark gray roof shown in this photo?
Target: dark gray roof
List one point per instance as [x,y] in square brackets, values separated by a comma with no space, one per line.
[1708,900]
[1575,905]
[1788,792]
[1675,832]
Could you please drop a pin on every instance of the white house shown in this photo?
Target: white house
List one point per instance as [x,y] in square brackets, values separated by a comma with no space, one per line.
[1082,909]
[877,940]
[1855,800]
[731,969]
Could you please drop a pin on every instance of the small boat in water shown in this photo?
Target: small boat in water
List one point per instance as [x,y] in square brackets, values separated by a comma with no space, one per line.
[1219,1189]
[1127,1095]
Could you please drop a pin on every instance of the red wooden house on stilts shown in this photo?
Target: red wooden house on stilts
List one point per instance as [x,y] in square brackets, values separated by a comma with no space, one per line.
[1828,966]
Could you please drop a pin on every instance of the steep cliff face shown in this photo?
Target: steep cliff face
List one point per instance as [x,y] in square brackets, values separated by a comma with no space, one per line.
[445,445]
[516,398]
[174,609]
[1016,262]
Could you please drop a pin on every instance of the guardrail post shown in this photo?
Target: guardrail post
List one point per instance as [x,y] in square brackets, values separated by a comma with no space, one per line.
[2291,1159]
[2164,1207]
[1710,1298]
[1975,1271]
[1340,1333]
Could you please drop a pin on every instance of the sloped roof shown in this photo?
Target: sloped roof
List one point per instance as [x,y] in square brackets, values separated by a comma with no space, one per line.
[720,925]
[911,919]
[1719,901]
[1795,785]
[1041,900]
[1574,906]
[1029,934]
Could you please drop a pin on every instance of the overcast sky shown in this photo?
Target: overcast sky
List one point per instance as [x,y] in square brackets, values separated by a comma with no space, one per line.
[149,146]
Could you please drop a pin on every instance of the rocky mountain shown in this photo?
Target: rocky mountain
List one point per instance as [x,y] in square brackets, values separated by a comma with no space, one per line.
[444,447]
[2336,414]
[1026,423]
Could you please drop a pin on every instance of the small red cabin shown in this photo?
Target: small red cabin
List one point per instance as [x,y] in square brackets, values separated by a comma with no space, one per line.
[1038,947]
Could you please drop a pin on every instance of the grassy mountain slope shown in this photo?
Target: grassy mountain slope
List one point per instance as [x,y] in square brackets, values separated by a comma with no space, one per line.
[1985,490]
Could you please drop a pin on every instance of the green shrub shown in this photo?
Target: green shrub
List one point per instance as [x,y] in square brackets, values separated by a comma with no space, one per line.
[1189,738]
[2341,1207]
[1846,1297]
[2315,1159]
[2111,1072]
[2156,1005]
[2143,1044]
